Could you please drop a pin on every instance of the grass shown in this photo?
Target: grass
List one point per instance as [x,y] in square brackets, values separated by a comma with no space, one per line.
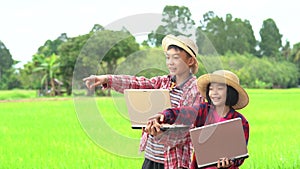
[47,134]
[17,94]
[274,129]
[93,133]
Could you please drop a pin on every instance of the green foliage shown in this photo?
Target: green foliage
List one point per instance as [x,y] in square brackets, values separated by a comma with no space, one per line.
[120,44]
[49,67]
[296,53]
[97,28]
[240,37]
[147,62]
[17,94]
[28,78]
[270,43]
[6,60]
[256,72]
[213,27]
[68,52]
[176,20]
[227,35]
[103,51]
[51,47]
[8,79]
[151,72]
[208,64]
[155,38]
[286,51]
[44,65]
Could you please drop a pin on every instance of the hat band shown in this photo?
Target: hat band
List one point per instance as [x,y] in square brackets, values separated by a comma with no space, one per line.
[192,50]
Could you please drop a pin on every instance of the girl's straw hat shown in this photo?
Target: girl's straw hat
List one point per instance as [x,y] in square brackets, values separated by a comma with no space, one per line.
[185,43]
[226,77]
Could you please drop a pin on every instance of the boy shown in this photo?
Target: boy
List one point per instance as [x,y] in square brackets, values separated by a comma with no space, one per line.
[182,63]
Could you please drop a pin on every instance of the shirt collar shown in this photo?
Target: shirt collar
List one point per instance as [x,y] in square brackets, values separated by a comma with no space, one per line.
[173,79]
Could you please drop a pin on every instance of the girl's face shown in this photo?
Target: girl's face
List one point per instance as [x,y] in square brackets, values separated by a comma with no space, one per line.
[217,94]
[178,62]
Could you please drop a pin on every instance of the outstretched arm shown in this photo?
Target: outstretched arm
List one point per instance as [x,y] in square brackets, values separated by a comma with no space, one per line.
[181,115]
[93,81]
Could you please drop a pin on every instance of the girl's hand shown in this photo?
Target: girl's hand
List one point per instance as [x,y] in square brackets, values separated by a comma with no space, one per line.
[224,163]
[154,124]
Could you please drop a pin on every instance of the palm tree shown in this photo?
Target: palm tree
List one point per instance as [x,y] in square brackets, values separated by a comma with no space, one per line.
[49,67]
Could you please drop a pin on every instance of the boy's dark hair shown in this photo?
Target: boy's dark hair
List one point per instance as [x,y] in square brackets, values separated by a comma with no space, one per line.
[232,96]
[178,48]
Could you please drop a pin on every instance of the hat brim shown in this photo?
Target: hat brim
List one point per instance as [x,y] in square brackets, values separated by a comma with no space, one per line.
[204,80]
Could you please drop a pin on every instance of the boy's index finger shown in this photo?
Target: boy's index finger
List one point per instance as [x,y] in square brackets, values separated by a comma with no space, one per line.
[85,79]
[89,78]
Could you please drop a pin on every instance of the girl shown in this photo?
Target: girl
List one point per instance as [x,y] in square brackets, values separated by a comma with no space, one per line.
[224,96]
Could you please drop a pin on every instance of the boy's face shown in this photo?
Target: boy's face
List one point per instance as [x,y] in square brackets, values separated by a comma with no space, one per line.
[217,93]
[178,62]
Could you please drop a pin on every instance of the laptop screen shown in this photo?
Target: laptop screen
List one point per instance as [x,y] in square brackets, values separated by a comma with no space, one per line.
[144,103]
[219,140]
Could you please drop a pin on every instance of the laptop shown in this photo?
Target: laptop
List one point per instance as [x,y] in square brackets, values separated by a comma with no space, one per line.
[144,103]
[219,140]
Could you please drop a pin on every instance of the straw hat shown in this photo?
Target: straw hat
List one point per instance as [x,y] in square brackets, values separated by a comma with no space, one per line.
[227,77]
[185,43]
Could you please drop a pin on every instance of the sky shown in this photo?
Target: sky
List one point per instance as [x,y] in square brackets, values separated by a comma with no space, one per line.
[27,25]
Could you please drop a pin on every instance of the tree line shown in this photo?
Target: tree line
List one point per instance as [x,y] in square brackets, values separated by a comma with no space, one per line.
[264,63]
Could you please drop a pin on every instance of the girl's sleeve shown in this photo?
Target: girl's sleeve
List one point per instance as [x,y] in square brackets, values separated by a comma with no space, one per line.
[181,115]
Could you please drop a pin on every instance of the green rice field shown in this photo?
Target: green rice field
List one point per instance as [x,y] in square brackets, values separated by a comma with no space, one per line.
[94,133]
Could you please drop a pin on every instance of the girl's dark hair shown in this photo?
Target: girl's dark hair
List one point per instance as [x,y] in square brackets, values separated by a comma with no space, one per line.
[232,96]
[178,48]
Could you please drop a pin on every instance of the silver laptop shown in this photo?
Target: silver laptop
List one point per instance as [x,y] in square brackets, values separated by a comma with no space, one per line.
[144,103]
[219,140]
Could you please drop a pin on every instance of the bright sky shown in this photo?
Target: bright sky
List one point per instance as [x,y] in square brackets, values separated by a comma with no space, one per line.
[26,25]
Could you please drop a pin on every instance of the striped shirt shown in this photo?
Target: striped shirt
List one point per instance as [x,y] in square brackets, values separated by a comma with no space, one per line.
[178,156]
[154,151]
[175,95]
